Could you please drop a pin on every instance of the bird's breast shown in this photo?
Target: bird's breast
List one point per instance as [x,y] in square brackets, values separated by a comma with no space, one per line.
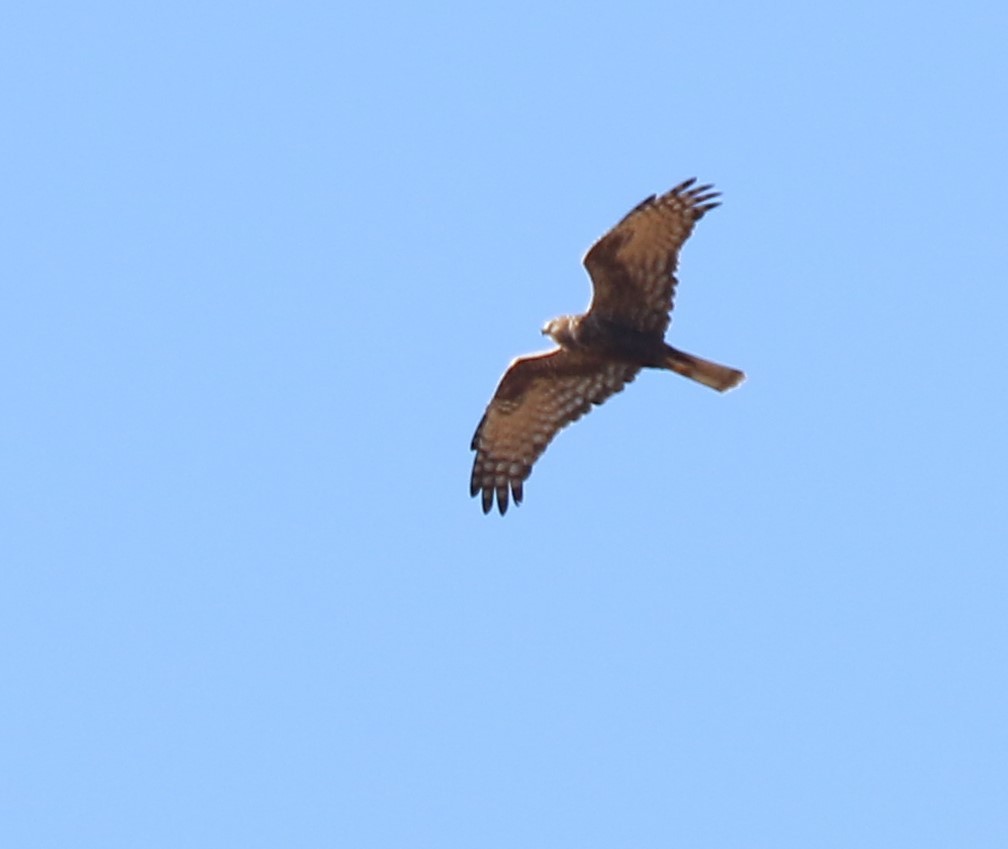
[617,341]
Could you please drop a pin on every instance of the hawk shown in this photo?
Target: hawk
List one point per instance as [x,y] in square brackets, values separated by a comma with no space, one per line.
[632,268]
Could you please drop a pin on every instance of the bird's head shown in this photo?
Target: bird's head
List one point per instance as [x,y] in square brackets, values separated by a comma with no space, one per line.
[561,330]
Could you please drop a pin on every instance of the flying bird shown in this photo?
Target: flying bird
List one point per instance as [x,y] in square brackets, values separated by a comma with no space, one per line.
[632,269]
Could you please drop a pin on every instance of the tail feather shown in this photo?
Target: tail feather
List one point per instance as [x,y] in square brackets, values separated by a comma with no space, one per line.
[703,371]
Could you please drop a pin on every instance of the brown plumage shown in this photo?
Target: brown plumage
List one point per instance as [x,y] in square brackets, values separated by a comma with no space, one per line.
[632,269]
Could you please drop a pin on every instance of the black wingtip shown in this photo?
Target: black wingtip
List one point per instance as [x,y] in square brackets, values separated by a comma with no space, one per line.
[502,498]
[700,211]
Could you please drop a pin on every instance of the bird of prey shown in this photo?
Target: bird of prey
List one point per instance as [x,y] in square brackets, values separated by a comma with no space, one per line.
[632,268]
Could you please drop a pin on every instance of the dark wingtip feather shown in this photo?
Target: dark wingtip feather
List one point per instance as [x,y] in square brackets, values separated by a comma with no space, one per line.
[502,498]
[474,444]
[646,202]
[700,211]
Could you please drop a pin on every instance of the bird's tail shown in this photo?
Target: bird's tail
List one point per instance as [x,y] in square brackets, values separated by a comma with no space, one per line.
[710,374]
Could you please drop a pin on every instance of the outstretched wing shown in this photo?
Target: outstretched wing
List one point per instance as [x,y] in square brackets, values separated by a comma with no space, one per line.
[537,396]
[633,266]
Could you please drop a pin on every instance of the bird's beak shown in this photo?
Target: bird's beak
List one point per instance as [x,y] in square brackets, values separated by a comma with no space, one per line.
[543,330]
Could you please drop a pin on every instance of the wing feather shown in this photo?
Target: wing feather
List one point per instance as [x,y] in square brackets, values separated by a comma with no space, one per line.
[633,266]
[536,398]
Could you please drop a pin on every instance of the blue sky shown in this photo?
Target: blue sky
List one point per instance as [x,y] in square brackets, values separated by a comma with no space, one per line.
[262,267]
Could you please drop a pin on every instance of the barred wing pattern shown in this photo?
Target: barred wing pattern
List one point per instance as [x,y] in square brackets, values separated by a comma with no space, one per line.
[536,398]
[633,266]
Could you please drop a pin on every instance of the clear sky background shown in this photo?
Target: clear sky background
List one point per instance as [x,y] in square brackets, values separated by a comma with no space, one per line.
[262,266]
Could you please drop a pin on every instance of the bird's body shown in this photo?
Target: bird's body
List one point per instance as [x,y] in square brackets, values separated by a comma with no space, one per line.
[633,274]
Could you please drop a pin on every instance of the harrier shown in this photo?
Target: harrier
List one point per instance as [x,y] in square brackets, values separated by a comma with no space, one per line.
[632,269]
